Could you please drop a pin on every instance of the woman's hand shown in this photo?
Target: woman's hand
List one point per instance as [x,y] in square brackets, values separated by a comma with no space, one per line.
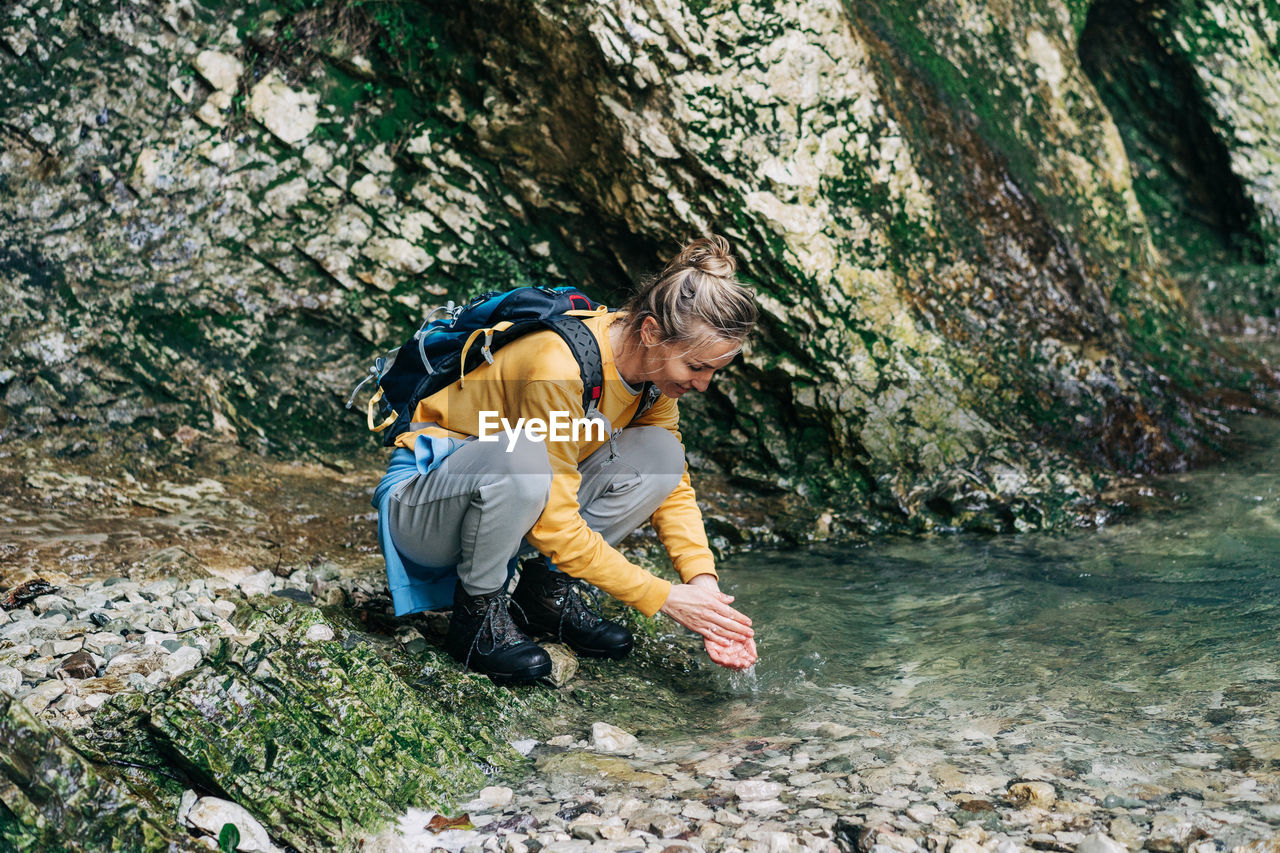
[700,606]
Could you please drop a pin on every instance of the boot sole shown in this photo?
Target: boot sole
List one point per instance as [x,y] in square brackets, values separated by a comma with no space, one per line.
[517,678]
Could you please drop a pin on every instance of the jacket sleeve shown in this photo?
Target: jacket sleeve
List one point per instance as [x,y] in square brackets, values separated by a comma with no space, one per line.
[678,520]
[560,532]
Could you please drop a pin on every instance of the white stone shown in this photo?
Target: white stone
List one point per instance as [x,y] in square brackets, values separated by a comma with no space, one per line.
[41,697]
[222,70]
[962,845]
[188,800]
[1099,843]
[211,814]
[182,661]
[10,680]
[289,115]
[319,633]
[97,643]
[525,746]
[1198,760]
[257,584]
[609,738]
[762,807]
[496,796]
[96,700]
[144,661]
[922,813]
[61,648]
[754,789]
[695,810]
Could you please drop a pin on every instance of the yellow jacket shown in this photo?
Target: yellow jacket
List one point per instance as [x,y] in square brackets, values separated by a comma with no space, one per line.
[533,376]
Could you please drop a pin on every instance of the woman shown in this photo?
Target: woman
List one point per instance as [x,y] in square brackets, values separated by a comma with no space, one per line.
[567,500]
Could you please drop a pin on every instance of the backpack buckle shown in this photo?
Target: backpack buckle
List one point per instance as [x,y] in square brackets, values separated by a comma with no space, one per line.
[488,341]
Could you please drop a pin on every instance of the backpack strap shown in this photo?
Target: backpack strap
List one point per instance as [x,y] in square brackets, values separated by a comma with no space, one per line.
[586,351]
[649,395]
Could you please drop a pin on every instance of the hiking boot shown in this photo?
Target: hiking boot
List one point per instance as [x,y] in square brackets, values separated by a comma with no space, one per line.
[483,638]
[550,602]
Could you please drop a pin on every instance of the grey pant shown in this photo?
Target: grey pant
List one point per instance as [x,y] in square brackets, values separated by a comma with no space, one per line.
[475,509]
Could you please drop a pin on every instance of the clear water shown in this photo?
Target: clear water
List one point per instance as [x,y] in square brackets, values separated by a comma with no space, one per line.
[1143,654]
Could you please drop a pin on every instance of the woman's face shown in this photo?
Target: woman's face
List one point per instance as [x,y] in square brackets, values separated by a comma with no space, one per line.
[676,369]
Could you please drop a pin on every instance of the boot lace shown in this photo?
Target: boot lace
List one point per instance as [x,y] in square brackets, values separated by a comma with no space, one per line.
[581,604]
[499,628]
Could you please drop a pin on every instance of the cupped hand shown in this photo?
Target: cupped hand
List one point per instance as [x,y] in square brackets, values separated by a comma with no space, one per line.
[700,606]
[732,655]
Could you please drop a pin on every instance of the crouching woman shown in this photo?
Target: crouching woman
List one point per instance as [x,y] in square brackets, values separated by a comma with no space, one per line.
[461,501]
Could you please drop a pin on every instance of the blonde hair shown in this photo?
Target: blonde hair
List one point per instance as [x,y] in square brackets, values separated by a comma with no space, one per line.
[695,300]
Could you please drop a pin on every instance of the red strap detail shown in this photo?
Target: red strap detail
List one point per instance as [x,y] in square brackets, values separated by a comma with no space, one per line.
[575,298]
[595,393]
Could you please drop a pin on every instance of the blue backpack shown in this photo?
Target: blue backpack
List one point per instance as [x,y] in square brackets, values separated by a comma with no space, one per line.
[443,351]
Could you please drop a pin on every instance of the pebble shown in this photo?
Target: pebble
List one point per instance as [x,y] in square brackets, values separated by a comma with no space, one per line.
[182,661]
[1099,843]
[496,796]
[1040,794]
[42,696]
[10,680]
[609,738]
[752,790]
[79,665]
[319,633]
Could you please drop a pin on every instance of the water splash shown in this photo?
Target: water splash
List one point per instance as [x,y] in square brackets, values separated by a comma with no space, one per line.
[745,681]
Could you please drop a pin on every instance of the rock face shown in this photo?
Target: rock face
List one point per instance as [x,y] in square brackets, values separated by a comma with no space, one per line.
[214,217]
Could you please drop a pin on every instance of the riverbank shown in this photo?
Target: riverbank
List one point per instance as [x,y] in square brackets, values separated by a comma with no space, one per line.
[1049,693]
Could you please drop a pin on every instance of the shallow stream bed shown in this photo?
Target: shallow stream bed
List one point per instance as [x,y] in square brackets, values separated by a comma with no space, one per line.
[906,689]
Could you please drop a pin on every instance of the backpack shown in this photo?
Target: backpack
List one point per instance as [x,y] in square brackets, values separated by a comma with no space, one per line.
[442,351]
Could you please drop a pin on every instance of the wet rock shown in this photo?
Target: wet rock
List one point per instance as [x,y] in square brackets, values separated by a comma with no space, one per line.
[319,634]
[182,661]
[697,811]
[27,592]
[212,814]
[45,603]
[587,827]
[82,800]
[1169,834]
[1032,793]
[609,738]
[61,648]
[42,696]
[10,680]
[1126,832]
[754,790]
[564,663]
[496,796]
[142,660]
[1099,843]
[602,769]
[79,665]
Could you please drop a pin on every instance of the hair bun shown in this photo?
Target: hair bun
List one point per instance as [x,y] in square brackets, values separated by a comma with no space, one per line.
[709,255]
